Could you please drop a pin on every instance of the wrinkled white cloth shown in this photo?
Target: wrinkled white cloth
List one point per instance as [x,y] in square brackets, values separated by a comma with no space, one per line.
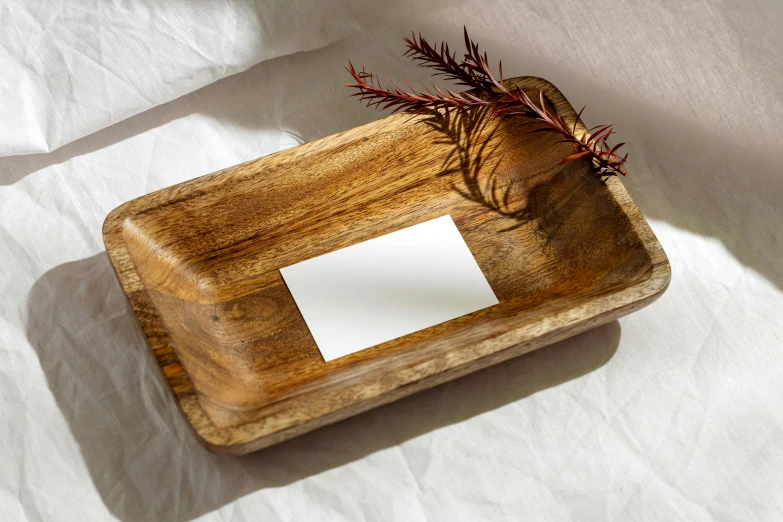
[72,67]
[672,413]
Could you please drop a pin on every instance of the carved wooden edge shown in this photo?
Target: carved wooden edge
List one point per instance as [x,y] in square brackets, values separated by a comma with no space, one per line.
[304,414]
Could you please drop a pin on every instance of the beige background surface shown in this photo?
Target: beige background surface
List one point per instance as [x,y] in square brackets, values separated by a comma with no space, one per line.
[674,413]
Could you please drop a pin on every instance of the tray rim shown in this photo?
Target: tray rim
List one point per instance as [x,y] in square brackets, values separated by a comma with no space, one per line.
[281,424]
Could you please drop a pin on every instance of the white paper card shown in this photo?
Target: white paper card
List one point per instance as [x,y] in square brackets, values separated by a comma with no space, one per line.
[387,287]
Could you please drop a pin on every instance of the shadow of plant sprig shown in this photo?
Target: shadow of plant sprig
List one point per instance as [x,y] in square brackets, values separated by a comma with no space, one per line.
[470,146]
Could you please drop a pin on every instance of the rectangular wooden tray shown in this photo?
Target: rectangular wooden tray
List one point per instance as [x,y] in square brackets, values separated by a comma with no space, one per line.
[563,251]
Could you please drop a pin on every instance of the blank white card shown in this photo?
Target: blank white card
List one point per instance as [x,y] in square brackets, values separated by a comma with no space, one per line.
[387,287]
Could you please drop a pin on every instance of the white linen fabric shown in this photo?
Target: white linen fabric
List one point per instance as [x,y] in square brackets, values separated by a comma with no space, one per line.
[72,67]
[672,413]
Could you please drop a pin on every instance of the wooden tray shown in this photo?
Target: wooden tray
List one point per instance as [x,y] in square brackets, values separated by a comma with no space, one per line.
[562,250]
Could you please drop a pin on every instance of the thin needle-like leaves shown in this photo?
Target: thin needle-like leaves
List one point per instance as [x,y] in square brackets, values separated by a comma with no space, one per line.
[487,92]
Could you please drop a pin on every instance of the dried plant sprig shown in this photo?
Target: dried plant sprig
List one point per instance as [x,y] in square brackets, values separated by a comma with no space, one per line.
[446,63]
[592,144]
[488,92]
[375,94]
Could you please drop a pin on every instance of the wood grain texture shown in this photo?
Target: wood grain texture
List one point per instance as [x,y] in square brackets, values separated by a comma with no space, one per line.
[199,262]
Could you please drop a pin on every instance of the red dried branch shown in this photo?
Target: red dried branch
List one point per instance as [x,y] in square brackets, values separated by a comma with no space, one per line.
[371,91]
[490,93]
[445,62]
